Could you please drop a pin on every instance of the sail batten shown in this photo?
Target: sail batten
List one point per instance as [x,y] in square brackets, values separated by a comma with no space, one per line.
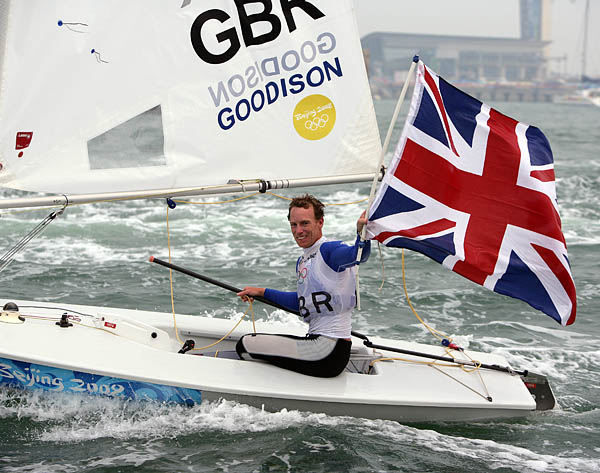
[108,108]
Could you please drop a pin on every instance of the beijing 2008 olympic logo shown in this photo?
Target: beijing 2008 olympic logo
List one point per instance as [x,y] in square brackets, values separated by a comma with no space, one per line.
[314,117]
[302,273]
[317,122]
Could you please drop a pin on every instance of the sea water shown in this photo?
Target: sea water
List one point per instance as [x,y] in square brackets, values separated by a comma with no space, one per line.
[97,255]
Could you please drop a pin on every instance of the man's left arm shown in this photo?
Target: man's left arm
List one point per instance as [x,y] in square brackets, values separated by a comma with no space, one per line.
[339,256]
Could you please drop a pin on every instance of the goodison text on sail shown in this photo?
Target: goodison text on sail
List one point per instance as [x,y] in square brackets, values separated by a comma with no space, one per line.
[237,85]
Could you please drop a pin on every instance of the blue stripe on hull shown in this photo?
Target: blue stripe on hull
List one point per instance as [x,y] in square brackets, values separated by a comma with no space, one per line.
[39,377]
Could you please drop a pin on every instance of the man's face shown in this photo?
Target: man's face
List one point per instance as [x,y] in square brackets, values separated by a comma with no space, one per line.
[305,227]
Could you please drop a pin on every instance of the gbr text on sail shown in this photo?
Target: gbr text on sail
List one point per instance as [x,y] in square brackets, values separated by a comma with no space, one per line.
[269,79]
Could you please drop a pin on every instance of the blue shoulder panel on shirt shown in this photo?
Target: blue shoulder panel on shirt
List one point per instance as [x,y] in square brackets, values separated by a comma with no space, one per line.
[327,250]
[340,256]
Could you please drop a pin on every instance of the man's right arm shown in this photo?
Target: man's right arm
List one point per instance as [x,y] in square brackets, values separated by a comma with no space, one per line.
[288,300]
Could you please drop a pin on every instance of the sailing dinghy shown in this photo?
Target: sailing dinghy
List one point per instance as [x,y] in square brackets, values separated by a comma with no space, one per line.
[220,97]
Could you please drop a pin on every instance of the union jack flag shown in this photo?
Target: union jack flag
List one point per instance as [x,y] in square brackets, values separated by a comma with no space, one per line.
[474,190]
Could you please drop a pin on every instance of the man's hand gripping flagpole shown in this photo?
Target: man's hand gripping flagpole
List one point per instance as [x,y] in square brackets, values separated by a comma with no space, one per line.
[384,149]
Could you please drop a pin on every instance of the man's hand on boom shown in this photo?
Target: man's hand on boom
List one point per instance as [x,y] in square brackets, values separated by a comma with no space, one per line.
[249,293]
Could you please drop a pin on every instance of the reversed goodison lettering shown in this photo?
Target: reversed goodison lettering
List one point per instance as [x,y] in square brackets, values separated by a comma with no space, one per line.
[272,66]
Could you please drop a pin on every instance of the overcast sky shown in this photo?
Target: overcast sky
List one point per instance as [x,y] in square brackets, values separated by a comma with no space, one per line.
[488,18]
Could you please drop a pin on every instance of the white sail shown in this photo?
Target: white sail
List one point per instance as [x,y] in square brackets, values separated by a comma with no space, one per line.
[117,96]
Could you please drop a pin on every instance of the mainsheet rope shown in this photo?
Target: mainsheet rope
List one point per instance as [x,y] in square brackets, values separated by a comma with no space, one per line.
[250,308]
[440,335]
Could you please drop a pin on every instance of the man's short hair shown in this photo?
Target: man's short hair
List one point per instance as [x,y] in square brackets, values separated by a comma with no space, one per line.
[307,201]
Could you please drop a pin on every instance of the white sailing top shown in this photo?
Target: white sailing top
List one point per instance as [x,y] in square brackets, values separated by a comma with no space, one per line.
[325,297]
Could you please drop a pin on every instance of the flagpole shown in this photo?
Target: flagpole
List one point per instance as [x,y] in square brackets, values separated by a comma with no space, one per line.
[384,149]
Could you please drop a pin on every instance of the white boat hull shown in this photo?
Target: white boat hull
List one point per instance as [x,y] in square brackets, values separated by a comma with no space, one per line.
[134,354]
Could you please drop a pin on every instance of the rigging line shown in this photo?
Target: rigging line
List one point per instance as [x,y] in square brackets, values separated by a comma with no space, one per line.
[216,203]
[440,335]
[475,363]
[55,308]
[476,366]
[456,364]
[418,362]
[231,331]
[278,196]
[173,299]
[258,193]
[382,265]
[171,282]
[487,398]
[436,333]
[20,245]
[40,317]
[447,365]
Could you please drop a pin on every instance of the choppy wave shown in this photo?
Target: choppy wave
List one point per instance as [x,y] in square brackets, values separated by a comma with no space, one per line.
[97,254]
[79,421]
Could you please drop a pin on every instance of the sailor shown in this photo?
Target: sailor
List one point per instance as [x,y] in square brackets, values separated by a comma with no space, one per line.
[325,298]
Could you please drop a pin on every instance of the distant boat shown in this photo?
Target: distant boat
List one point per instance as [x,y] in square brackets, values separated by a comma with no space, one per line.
[580,97]
[593,96]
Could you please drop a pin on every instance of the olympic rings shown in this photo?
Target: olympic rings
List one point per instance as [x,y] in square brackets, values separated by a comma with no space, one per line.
[317,122]
[302,274]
